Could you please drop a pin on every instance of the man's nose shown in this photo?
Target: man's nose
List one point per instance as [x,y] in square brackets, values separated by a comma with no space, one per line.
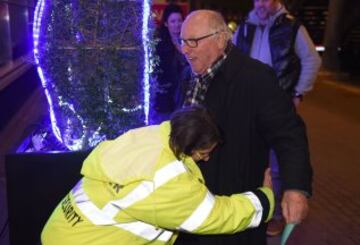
[184,49]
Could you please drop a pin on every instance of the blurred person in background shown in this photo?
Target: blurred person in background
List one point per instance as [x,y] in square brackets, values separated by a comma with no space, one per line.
[173,70]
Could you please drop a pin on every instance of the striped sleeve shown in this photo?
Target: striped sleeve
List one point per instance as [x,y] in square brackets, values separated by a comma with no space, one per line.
[238,212]
[184,203]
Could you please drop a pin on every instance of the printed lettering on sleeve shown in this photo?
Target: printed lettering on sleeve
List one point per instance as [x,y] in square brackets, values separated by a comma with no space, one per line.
[115,187]
[71,216]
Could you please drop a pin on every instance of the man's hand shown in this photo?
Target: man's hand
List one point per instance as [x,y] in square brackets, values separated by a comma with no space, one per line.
[295,206]
[296,101]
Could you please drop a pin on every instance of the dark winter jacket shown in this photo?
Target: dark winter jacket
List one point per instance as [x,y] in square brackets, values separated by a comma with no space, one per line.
[171,74]
[254,114]
[282,37]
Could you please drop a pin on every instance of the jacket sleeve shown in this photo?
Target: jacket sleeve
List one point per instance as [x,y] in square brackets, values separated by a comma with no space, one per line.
[284,131]
[310,61]
[184,203]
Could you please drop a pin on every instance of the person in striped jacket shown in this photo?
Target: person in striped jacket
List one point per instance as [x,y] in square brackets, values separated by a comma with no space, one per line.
[145,186]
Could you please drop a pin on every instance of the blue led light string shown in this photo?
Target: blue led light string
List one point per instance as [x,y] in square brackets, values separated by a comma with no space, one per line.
[145,38]
[71,126]
[39,10]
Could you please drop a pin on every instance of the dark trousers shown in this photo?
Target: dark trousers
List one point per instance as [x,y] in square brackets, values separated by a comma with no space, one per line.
[255,236]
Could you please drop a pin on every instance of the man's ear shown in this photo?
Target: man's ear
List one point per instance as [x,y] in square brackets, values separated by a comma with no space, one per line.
[221,40]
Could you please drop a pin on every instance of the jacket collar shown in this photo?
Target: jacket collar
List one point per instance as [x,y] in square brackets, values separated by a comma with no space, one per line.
[254,19]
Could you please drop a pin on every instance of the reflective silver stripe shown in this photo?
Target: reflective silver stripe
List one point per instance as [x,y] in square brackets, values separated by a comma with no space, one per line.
[256,219]
[110,210]
[145,188]
[105,216]
[165,236]
[168,172]
[89,209]
[98,217]
[146,231]
[200,214]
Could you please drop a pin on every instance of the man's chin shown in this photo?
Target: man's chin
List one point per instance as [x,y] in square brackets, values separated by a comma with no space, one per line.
[262,16]
[197,71]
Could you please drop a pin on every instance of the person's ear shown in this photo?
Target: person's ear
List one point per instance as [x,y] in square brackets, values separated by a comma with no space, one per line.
[221,40]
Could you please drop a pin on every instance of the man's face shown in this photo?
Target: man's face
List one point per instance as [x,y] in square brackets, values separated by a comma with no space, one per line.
[208,50]
[265,8]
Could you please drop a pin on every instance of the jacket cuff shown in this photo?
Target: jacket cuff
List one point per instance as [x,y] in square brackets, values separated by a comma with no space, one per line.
[305,193]
[267,200]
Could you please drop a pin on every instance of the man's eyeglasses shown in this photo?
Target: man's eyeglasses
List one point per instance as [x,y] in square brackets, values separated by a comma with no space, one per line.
[193,42]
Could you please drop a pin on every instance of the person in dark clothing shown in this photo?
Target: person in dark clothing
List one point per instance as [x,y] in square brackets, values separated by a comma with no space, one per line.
[254,114]
[173,69]
[273,36]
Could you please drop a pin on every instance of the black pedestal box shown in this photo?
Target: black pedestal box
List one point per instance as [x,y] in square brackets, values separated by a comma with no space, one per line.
[36,182]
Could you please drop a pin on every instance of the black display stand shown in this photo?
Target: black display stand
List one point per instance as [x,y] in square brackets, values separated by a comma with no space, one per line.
[36,182]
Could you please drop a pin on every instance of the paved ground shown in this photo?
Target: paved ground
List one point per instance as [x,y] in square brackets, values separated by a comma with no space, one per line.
[332,114]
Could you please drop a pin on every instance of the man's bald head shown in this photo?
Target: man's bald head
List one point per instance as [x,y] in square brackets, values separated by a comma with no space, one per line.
[211,20]
[205,36]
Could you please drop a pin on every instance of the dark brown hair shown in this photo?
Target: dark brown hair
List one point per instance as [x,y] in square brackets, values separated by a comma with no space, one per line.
[170,9]
[192,128]
[163,30]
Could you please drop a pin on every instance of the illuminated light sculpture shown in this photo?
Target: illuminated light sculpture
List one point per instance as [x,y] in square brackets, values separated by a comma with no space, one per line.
[93,61]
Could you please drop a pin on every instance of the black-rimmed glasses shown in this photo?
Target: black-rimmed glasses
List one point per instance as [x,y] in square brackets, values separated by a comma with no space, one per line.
[193,42]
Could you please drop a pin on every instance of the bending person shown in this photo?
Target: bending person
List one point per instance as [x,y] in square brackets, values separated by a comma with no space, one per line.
[144,186]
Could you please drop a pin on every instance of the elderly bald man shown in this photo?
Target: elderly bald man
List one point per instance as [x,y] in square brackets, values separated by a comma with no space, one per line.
[254,114]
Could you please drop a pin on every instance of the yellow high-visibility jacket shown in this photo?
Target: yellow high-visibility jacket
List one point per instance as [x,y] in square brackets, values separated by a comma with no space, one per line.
[134,191]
